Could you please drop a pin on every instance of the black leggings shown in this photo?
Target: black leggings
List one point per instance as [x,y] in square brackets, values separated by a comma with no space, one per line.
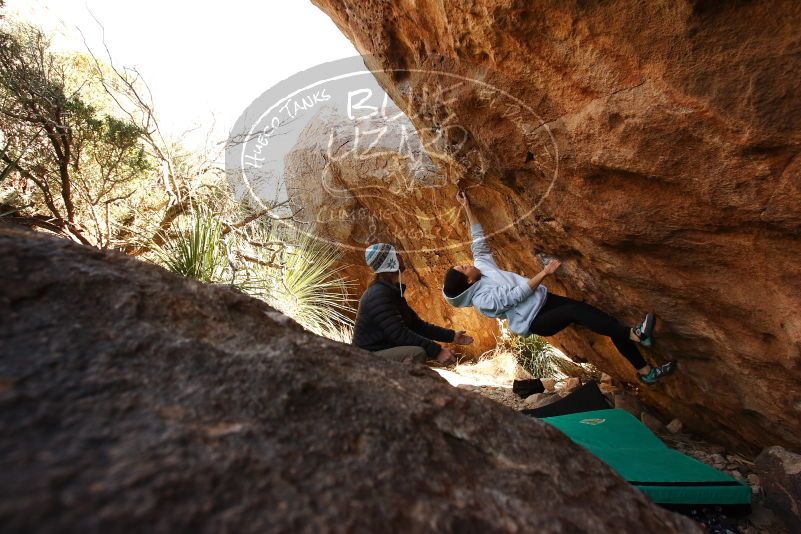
[560,312]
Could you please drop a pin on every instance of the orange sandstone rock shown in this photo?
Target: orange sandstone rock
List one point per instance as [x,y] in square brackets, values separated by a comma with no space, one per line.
[673,131]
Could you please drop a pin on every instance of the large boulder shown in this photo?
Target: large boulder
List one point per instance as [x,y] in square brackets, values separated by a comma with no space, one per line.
[135,400]
[654,148]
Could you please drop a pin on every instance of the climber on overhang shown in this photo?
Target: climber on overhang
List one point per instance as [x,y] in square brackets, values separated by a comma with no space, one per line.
[531,309]
[385,323]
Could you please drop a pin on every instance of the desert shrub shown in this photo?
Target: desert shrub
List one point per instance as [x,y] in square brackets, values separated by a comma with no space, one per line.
[539,358]
[194,247]
[299,275]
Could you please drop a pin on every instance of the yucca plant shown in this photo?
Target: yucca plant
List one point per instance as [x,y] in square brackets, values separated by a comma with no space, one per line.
[534,354]
[301,279]
[309,287]
[195,249]
[289,269]
[541,359]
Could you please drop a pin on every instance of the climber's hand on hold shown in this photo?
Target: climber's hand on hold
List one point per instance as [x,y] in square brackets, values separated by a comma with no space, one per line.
[552,266]
[461,197]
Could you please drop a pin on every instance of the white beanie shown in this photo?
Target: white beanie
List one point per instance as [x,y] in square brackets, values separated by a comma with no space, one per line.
[382,258]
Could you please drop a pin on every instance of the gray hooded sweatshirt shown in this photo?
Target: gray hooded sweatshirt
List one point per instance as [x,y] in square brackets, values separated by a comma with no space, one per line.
[499,294]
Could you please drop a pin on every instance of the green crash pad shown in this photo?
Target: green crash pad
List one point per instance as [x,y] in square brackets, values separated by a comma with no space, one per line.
[665,475]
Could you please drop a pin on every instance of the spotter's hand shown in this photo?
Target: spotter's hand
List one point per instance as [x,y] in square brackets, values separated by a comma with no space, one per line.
[461,338]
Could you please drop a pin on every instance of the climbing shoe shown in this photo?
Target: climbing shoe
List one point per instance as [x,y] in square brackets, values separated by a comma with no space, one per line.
[645,329]
[656,373]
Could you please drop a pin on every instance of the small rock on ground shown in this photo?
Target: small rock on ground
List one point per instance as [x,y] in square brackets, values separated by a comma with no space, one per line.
[674,426]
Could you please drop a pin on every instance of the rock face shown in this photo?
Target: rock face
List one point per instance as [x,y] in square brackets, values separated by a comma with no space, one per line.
[132,399]
[780,476]
[386,189]
[653,148]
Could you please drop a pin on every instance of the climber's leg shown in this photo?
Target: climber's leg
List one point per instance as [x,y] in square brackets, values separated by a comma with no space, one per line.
[553,317]
[559,312]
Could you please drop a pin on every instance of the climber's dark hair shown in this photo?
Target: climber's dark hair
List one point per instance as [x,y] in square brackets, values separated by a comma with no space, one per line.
[455,283]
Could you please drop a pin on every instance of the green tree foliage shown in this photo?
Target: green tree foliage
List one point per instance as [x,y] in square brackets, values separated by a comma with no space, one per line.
[73,162]
[81,155]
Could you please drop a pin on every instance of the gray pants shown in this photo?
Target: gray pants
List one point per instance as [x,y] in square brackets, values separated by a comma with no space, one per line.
[405,353]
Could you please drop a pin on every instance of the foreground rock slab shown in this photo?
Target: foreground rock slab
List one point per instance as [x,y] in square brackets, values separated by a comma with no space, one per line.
[134,400]
[780,475]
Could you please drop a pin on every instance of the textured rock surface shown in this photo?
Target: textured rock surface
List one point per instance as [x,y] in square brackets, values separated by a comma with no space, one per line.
[780,477]
[384,190]
[675,129]
[133,400]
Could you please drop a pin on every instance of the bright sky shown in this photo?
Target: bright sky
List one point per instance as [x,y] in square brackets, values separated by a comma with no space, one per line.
[204,61]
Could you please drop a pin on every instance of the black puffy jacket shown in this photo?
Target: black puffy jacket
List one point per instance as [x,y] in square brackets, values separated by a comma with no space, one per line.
[386,320]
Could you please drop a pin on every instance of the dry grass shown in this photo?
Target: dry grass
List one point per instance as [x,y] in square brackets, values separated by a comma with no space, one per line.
[492,369]
[501,366]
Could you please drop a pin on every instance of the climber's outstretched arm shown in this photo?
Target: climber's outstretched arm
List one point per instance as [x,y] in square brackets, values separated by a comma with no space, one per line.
[549,269]
[465,202]
[479,247]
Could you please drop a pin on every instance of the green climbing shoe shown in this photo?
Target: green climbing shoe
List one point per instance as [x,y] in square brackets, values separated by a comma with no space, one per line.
[656,373]
[645,329]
